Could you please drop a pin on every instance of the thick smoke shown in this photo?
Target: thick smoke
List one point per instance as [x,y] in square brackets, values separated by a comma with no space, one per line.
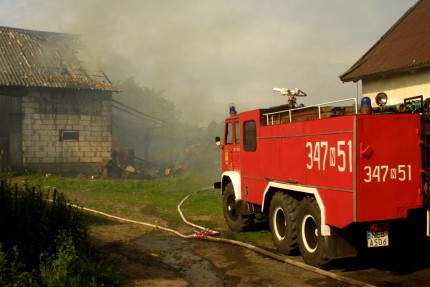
[206,54]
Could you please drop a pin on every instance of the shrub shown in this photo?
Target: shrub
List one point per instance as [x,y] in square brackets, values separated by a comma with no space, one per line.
[45,243]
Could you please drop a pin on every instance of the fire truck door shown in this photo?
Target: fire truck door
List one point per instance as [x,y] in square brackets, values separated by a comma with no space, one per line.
[231,157]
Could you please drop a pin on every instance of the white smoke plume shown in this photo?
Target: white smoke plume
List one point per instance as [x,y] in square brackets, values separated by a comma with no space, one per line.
[206,54]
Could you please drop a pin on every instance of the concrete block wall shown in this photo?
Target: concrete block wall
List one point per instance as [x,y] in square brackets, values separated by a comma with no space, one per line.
[47,113]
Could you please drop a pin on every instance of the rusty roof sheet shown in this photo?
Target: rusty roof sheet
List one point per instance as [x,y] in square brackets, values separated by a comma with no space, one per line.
[45,59]
[404,47]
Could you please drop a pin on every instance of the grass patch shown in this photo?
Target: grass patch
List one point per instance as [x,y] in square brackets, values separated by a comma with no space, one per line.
[158,197]
[135,198]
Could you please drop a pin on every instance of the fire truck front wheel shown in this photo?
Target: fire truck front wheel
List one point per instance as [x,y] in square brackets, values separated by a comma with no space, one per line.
[312,244]
[282,221]
[236,219]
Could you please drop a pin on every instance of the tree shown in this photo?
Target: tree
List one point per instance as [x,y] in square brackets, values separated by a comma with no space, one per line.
[149,124]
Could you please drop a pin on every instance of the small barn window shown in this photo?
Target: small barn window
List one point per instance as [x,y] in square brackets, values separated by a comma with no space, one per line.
[69,135]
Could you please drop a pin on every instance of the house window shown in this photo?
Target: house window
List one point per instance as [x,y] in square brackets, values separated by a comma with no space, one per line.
[69,135]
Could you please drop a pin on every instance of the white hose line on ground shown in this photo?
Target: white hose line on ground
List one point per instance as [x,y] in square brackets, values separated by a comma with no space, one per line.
[208,237]
[205,236]
[136,222]
[295,263]
[208,231]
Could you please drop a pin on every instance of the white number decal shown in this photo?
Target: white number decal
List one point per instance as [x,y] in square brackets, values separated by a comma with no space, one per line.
[402,172]
[316,157]
[384,169]
[341,154]
[310,164]
[368,177]
[324,145]
[317,153]
[379,173]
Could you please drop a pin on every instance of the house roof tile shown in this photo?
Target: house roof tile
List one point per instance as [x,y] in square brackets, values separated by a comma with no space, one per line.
[45,59]
[404,47]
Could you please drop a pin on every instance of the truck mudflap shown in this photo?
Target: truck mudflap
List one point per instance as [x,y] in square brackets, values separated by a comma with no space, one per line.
[338,247]
[217,185]
[394,235]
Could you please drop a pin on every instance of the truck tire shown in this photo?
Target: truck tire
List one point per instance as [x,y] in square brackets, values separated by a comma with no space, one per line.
[233,218]
[283,223]
[312,244]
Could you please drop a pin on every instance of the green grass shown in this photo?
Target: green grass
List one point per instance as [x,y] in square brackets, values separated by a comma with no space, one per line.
[131,198]
[158,197]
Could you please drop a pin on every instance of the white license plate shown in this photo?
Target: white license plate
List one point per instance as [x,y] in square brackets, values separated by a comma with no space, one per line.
[377,239]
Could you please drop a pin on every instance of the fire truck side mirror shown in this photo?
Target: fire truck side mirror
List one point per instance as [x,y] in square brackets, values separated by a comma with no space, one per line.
[218,142]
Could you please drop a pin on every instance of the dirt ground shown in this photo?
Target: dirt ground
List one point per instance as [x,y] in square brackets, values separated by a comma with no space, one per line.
[148,257]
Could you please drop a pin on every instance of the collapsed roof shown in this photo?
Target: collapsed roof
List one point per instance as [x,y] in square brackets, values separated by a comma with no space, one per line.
[45,59]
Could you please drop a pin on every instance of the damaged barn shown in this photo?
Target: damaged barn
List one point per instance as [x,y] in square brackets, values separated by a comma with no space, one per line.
[58,115]
[55,104]
[135,135]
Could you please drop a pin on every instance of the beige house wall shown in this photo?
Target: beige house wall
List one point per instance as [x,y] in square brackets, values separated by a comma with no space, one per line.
[398,87]
[47,113]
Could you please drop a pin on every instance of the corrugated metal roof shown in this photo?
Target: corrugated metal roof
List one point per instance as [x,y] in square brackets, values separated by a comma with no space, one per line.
[45,59]
[404,47]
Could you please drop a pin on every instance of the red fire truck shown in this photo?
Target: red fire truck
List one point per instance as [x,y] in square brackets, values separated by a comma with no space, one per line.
[334,178]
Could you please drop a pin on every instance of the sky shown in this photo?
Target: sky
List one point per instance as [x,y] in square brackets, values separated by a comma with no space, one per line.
[206,54]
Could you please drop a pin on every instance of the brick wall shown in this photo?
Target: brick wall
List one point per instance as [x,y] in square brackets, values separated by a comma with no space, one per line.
[47,114]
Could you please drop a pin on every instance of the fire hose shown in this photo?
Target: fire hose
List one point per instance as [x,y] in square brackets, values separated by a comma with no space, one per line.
[210,235]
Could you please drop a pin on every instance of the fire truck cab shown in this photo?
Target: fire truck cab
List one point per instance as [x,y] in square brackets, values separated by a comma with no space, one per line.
[333,178]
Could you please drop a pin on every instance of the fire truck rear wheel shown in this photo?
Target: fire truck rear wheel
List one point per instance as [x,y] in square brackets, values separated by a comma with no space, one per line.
[233,218]
[311,243]
[282,221]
